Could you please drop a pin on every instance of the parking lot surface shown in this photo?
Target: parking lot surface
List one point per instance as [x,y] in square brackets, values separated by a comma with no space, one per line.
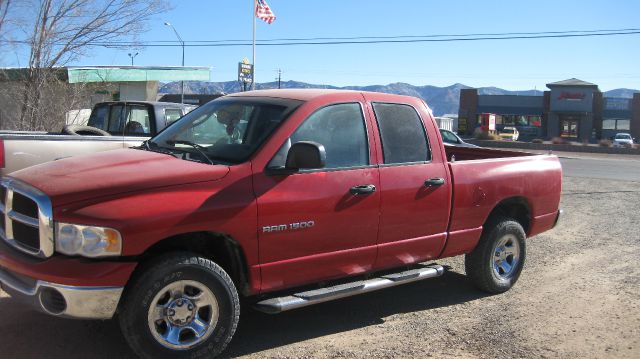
[578,297]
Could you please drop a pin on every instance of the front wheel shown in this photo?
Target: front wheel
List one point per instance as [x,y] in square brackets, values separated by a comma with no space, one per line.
[180,306]
[496,263]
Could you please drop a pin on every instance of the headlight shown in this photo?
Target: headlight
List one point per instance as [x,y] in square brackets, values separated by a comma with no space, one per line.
[87,241]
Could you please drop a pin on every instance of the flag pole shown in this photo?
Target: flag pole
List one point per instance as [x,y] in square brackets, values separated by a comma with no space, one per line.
[253,62]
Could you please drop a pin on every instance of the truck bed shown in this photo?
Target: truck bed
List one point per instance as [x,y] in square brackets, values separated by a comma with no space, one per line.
[480,153]
[485,178]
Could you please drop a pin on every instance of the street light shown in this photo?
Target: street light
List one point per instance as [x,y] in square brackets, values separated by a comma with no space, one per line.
[182,43]
[132,57]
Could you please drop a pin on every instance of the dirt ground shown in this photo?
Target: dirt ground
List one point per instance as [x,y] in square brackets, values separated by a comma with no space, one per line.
[578,297]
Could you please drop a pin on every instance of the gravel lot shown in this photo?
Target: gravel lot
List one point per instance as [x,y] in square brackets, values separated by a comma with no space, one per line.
[578,297]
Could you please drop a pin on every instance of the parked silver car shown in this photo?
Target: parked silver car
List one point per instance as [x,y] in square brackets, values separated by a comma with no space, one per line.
[622,139]
[451,139]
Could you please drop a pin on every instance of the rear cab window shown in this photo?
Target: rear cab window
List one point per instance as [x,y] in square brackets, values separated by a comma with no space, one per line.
[171,115]
[404,139]
[99,117]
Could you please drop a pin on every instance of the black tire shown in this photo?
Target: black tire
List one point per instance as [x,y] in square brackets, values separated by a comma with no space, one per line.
[485,267]
[162,273]
[80,130]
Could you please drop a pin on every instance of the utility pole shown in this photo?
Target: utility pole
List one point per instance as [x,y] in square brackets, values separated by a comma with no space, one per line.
[279,77]
[182,43]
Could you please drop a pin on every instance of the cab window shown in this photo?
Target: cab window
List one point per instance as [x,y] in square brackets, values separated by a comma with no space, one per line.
[99,116]
[340,129]
[403,136]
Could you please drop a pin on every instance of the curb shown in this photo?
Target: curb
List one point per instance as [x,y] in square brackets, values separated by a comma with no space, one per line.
[554,147]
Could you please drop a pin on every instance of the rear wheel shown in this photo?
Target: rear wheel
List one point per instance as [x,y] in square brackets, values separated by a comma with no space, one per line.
[496,263]
[180,306]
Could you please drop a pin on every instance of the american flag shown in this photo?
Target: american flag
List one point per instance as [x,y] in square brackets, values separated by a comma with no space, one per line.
[264,13]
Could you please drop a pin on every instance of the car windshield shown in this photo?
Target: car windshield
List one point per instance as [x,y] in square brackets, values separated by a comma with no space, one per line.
[508,130]
[623,136]
[227,130]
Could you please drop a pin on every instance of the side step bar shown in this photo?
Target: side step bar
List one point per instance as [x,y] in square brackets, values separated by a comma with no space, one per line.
[303,299]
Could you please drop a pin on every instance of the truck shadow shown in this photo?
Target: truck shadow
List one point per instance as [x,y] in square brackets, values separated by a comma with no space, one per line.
[28,334]
[258,331]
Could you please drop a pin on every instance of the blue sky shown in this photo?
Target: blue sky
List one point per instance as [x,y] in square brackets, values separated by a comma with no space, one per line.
[611,62]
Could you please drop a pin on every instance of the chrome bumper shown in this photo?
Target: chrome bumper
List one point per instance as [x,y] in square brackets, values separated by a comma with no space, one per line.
[560,214]
[63,300]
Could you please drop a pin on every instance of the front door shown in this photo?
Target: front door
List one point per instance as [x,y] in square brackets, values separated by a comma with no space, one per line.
[320,224]
[569,128]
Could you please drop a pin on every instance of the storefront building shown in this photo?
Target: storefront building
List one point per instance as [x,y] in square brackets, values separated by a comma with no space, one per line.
[572,109]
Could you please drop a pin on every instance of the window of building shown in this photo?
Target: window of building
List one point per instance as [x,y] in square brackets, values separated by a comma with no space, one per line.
[616,124]
[535,121]
[508,119]
[521,120]
[617,103]
[403,136]
[623,125]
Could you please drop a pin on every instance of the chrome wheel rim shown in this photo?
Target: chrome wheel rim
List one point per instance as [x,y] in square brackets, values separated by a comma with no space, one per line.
[183,314]
[506,256]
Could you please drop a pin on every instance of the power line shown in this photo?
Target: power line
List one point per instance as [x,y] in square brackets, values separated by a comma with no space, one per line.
[348,42]
[361,40]
[528,34]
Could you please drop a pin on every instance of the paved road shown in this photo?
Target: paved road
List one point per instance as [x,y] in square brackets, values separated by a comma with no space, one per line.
[612,169]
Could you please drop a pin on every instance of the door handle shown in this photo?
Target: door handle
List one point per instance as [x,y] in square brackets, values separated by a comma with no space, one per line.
[434,182]
[363,189]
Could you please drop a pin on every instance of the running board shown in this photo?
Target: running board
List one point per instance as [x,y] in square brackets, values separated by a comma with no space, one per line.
[303,299]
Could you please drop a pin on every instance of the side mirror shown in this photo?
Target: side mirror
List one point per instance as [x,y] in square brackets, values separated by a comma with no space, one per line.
[306,155]
[301,155]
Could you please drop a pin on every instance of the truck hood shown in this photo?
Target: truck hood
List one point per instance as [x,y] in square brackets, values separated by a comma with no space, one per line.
[114,172]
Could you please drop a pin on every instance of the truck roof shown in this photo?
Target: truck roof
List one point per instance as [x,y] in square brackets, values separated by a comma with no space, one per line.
[305,94]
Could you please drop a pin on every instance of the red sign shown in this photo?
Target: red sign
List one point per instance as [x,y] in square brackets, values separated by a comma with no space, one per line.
[571,96]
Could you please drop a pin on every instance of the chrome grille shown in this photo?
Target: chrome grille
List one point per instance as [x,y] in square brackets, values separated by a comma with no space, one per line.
[27,224]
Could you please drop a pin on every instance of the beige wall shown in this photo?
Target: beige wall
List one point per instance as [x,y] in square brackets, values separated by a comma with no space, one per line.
[58,99]
[138,91]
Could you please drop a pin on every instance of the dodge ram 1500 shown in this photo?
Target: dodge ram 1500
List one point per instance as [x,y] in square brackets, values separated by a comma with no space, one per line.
[264,195]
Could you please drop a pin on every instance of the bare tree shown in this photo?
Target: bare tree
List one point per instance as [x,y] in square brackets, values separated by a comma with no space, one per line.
[63,30]
[4,9]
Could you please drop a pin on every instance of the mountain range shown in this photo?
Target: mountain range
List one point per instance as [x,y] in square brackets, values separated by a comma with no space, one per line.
[442,100]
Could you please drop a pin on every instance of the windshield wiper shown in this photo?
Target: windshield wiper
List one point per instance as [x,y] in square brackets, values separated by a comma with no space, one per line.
[201,150]
[146,146]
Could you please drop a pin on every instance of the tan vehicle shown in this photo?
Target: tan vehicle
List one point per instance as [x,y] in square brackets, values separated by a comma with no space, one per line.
[112,125]
[509,134]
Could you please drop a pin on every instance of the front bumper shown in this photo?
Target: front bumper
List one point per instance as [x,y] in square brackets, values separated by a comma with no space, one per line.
[62,300]
[64,286]
[558,217]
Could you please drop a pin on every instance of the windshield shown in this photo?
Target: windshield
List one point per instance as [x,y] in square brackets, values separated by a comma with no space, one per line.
[623,136]
[227,130]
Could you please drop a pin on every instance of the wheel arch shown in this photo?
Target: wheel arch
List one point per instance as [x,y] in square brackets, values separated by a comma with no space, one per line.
[517,208]
[218,247]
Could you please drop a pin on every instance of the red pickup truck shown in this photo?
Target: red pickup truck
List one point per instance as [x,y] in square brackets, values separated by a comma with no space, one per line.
[263,195]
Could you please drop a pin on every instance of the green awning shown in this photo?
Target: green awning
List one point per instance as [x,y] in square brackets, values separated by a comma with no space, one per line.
[127,74]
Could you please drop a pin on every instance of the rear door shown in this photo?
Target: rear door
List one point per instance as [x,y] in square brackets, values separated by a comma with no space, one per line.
[311,224]
[414,183]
